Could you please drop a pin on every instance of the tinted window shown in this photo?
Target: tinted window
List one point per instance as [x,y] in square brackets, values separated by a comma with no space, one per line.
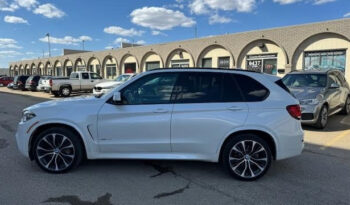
[150,89]
[252,90]
[85,76]
[231,92]
[199,87]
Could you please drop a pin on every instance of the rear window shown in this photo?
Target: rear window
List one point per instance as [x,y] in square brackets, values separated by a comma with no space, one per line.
[252,90]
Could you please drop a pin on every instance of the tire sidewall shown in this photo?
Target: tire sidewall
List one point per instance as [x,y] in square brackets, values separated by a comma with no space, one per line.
[78,147]
[319,120]
[227,149]
[62,94]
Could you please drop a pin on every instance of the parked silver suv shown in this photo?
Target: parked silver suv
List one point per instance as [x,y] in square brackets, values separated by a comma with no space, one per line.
[321,94]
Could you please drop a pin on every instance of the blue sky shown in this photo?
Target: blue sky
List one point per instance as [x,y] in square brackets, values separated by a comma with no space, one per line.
[103,24]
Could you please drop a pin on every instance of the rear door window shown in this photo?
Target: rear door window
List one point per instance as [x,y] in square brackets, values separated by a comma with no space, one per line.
[252,90]
[85,76]
[199,87]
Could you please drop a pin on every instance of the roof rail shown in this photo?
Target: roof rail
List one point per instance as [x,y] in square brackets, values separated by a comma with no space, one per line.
[223,69]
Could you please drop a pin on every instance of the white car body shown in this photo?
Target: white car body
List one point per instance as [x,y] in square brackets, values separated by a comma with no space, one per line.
[168,131]
[104,87]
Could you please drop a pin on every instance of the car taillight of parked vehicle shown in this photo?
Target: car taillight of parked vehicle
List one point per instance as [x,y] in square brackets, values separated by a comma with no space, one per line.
[294,111]
[50,82]
[31,82]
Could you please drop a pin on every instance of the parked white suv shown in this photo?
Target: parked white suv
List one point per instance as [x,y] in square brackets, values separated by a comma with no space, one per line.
[242,119]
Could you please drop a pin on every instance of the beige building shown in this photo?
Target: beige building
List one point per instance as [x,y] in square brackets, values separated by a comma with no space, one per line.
[276,51]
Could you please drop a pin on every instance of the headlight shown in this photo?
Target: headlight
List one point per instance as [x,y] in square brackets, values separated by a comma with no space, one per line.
[27,115]
[315,101]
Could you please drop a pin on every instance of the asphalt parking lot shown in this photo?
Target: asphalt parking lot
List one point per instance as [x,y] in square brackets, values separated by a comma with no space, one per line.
[321,175]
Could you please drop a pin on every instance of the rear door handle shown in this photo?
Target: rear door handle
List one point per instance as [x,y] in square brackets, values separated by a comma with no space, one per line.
[234,108]
[160,110]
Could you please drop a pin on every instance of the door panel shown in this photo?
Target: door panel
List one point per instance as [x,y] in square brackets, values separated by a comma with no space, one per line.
[198,128]
[134,128]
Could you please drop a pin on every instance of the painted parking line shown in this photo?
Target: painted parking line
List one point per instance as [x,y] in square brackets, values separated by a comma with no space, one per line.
[336,139]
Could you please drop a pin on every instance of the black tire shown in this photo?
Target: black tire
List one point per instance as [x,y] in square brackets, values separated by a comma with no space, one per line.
[346,108]
[41,150]
[255,163]
[56,94]
[65,91]
[322,118]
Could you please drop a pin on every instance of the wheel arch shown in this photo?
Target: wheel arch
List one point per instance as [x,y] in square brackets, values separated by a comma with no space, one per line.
[262,134]
[46,126]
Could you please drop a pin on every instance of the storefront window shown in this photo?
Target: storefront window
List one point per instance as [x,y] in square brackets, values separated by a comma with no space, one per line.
[180,63]
[98,69]
[266,63]
[224,62]
[69,70]
[111,70]
[324,60]
[206,63]
[130,67]
[152,65]
[58,71]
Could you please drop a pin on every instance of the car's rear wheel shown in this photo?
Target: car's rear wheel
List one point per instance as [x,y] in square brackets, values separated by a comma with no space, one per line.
[346,108]
[246,157]
[322,118]
[65,91]
[57,150]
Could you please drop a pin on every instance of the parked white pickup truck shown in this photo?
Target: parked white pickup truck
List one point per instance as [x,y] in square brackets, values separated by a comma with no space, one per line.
[77,82]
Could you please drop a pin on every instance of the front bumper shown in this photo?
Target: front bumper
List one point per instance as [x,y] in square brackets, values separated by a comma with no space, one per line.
[99,92]
[310,113]
[23,137]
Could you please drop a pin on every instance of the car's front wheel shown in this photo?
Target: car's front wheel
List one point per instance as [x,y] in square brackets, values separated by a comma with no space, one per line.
[246,157]
[57,150]
[322,118]
[346,108]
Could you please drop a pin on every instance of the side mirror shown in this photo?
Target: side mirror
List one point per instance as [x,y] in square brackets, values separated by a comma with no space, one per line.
[117,97]
[334,86]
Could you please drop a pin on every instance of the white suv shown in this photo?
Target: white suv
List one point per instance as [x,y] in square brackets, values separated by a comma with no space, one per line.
[242,119]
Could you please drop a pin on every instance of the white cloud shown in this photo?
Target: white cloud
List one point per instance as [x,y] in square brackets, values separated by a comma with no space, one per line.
[286,1]
[28,4]
[9,54]
[141,42]
[219,19]
[49,11]
[347,15]
[319,2]
[116,30]
[5,6]
[109,47]
[157,33]
[160,18]
[121,40]
[67,40]
[204,6]
[9,43]
[15,19]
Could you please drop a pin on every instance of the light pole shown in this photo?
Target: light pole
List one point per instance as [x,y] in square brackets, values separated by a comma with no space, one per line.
[48,41]
[83,45]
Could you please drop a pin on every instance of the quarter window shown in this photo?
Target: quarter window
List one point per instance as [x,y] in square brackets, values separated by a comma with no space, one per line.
[252,90]
[151,89]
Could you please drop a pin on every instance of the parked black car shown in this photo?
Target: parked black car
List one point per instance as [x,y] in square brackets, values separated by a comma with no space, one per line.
[19,82]
[32,82]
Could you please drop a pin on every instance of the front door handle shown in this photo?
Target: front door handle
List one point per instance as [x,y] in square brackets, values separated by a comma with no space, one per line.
[234,108]
[160,110]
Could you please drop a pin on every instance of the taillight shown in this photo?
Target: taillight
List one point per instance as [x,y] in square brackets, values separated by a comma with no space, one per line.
[20,82]
[31,82]
[294,111]
[51,82]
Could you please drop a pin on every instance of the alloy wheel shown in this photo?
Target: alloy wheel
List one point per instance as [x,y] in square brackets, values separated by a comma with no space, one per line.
[55,152]
[324,116]
[248,159]
[65,91]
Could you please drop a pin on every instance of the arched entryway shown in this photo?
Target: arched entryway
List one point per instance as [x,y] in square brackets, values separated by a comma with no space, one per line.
[94,65]
[67,67]
[79,65]
[180,58]
[110,67]
[263,55]
[58,68]
[129,64]
[150,61]
[215,56]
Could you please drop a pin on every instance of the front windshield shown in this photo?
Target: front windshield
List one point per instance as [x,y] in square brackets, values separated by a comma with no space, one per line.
[122,78]
[305,80]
